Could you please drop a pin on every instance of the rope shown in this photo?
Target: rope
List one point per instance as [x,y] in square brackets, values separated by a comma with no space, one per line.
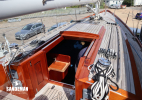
[100,89]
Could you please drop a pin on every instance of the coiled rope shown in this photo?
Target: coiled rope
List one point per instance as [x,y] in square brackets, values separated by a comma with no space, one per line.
[100,89]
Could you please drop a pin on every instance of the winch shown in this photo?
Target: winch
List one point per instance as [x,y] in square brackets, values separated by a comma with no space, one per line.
[103,63]
[100,73]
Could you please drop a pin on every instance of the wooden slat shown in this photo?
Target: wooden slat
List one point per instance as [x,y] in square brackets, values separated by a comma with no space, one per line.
[8,96]
[54,92]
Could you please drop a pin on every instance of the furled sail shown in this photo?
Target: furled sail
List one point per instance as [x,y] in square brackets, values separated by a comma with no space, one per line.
[12,8]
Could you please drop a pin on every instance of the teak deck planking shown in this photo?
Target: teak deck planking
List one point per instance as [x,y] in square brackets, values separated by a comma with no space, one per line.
[55,92]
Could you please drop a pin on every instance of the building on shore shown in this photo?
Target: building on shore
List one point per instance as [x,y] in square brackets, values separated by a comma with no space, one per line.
[111,2]
[137,2]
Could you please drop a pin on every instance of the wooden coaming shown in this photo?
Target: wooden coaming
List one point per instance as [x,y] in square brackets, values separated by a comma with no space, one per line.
[82,71]
[35,75]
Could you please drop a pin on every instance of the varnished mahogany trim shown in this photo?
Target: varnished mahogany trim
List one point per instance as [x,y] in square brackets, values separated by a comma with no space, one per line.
[76,34]
[44,44]
[82,71]
[52,45]
[97,44]
[77,38]
[62,84]
[79,69]
[4,81]
[28,73]
[124,93]
[90,57]
[118,95]
[59,66]
[134,70]
[61,63]
[79,86]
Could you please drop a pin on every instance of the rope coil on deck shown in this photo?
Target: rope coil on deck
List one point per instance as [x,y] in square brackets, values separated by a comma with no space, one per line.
[101,72]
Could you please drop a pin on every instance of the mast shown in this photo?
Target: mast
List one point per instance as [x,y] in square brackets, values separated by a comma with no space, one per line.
[12,8]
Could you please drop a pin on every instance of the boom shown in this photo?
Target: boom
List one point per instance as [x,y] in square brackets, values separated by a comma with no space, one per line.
[12,8]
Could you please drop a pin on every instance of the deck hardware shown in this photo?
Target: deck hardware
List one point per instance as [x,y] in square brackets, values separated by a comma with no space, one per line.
[53,87]
[91,18]
[44,1]
[111,23]
[110,53]
[71,92]
[134,38]
[89,82]
[96,11]
[101,72]
[86,94]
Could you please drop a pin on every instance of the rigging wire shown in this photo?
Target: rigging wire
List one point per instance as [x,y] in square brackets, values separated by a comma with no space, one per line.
[132,15]
[105,7]
[133,20]
[75,14]
[127,17]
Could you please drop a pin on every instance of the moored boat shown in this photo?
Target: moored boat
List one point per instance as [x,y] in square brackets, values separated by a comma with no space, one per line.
[93,58]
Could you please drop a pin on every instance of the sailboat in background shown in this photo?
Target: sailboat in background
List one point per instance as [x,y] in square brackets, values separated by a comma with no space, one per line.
[95,58]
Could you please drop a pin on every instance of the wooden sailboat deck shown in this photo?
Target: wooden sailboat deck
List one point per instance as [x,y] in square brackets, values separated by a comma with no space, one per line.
[115,38]
[8,96]
[55,92]
[122,64]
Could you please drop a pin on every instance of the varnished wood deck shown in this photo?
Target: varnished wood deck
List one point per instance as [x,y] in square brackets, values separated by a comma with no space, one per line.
[55,92]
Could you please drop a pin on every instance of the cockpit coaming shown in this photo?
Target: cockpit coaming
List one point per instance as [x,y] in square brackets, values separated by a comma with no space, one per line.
[58,60]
